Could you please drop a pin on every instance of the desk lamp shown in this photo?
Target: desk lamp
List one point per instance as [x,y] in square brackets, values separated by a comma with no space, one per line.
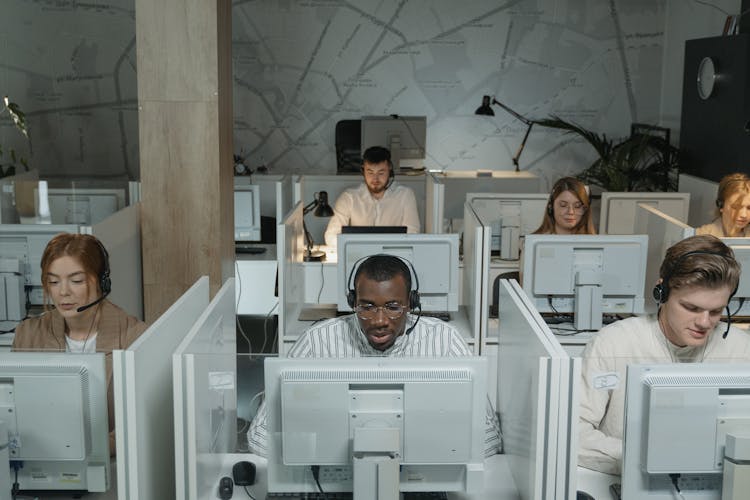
[486,109]
[320,208]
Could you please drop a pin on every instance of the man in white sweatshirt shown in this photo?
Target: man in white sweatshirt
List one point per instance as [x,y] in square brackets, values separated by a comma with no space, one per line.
[698,277]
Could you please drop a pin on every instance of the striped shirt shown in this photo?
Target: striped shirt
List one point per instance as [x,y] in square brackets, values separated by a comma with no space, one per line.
[343,338]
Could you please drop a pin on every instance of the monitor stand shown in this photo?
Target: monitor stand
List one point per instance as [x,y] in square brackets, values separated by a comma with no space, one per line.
[376,462]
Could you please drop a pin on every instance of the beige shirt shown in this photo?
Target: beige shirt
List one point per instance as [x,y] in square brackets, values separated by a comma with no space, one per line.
[716,229]
[633,340]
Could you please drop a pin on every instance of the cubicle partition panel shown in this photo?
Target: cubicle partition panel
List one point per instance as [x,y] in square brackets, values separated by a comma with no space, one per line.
[434,200]
[284,197]
[290,246]
[459,184]
[143,401]
[205,398]
[121,235]
[476,273]
[334,185]
[663,231]
[619,209]
[534,400]
[740,303]
[702,198]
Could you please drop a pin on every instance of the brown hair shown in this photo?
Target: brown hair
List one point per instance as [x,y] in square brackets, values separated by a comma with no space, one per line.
[729,186]
[86,249]
[578,188]
[702,261]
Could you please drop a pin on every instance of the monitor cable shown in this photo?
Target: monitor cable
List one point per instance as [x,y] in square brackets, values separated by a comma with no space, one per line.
[315,469]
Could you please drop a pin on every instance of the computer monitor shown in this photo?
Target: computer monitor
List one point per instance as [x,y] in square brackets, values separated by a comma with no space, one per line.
[404,136]
[511,216]
[663,231]
[54,407]
[21,248]
[373,229]
[740,303]
[86,206]
[618,210]
[677,419]
[434,257]
[587,275]
[420,422]
[247,212]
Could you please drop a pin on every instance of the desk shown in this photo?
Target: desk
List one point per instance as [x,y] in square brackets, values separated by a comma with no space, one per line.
[498,481]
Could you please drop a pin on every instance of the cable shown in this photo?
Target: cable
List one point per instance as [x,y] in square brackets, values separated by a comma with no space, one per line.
[675,478]
[247,492]
[742,303]
[237,306]
[265,332]
[322,281]
[315,469]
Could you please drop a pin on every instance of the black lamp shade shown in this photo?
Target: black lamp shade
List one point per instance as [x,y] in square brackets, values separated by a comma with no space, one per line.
[323,209]
[485,108]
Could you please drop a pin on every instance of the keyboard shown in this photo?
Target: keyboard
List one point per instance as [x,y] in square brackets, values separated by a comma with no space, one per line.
[248,248]
[412,495]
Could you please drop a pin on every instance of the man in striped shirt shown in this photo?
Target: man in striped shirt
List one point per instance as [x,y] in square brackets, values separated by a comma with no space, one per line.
[381,326]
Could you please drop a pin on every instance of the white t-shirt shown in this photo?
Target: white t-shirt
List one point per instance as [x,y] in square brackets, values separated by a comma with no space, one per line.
[86,346]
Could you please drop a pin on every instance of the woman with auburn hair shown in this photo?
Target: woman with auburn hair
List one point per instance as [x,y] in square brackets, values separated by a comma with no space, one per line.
[568,209]
[732,209]
[78,317]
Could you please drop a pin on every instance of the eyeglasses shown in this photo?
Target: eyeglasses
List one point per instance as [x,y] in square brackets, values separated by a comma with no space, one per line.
[392,310]
[577,208]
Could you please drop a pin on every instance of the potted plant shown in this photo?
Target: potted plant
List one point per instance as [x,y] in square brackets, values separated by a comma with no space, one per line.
[641,162]
[9,159]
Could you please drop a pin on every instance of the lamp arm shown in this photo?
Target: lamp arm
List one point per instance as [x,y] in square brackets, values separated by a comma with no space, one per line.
[517,115]
[523,144]
[309,207]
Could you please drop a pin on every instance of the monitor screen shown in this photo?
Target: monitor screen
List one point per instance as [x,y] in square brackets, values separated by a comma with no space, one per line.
[420,421]
[433,256]
[740,303]
[588,275]
[373,229]
[54,406]
[86,206]
[404,136]
[677,419]
[247,212]
[510,216]
[618,210]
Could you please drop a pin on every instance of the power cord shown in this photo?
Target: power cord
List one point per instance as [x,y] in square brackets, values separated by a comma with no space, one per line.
[315,469]
[15,465]
[675,478]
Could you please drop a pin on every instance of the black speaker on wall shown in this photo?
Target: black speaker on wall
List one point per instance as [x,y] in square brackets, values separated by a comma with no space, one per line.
[715,125]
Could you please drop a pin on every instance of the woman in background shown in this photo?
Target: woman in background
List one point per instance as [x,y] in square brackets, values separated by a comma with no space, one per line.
[568,209]
[732,209]
[75,280]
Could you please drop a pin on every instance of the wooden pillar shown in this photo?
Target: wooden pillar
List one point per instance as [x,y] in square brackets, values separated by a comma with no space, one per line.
[185,131]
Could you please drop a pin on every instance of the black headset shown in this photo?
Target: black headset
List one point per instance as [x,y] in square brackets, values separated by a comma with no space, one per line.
[351,293]
[661,290]
[719,203]
[105,282]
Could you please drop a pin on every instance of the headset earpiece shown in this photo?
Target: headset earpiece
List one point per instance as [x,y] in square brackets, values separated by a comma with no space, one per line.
[550,212]
[105,282]
[659,294]
[719,203]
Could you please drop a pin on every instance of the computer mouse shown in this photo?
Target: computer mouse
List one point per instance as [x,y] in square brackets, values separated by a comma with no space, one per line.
[244,473]
[582,495]
[226,488]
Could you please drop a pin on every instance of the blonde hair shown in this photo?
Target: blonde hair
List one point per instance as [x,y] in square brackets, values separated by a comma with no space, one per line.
[729,186]
[579,189]
[702,261]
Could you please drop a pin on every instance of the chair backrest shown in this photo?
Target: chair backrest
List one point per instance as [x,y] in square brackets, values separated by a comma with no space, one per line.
[495,305]
[348,146]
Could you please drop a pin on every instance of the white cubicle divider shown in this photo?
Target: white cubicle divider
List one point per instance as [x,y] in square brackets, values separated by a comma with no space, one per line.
[476,273]
[458,184]
[740,303]
[434,201]
[663,231]
[702,198]
[290,247]
[619,209]
[120,234]
[143,401]
[536,383]
[334,185]
[205,398]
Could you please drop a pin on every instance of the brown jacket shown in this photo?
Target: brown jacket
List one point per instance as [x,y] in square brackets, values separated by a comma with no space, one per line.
[117,330]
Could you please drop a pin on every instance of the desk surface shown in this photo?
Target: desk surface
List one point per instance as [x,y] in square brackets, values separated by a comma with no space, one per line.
[498,481]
